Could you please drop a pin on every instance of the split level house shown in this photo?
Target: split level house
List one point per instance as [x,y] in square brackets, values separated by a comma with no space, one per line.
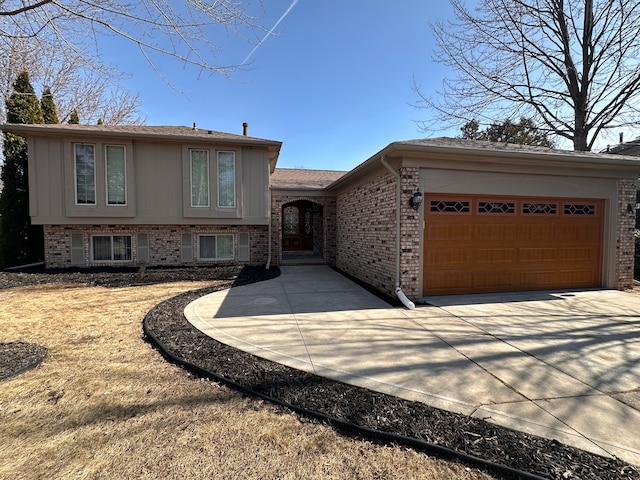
[428,217]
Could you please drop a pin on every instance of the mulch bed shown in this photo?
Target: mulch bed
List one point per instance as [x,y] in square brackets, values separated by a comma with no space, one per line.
[355,405]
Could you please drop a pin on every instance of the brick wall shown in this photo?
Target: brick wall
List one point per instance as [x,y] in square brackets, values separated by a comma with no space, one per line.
[625,229]
[366,234]
[165,242]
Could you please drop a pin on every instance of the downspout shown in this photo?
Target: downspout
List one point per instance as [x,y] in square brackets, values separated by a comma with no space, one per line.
[269,240]
[399,293]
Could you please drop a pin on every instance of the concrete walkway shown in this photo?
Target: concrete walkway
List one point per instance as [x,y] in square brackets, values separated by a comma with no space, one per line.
[558,365]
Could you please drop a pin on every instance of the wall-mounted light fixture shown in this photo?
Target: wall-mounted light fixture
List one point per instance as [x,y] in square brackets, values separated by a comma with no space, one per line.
[630,209]
[416,200]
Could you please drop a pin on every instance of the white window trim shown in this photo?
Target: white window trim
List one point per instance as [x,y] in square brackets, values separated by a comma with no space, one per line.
[209,259]
[75,175]
[106,177]
[93,259]
[208,176]
[235,200]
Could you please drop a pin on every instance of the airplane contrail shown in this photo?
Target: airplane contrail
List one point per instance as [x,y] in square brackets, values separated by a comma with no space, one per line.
[293,4]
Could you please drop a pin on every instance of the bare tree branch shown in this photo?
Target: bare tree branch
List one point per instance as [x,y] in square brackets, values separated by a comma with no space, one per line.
[571,65]
[23,9]
[183,30]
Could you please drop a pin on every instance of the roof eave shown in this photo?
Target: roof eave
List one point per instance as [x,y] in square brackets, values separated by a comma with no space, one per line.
[542,158]
[28,130]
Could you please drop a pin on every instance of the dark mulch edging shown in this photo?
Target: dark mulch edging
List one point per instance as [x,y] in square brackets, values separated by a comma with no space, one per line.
[117,277]
[359,406]
[17,358]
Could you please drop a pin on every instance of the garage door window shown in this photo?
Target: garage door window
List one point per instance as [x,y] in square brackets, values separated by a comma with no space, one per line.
[530,208]
[579,209]
[450,206]
[496,207]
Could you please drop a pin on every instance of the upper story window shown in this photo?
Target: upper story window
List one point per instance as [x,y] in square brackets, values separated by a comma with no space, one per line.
[199,178]
[116,175]
[85,173]
[226,179]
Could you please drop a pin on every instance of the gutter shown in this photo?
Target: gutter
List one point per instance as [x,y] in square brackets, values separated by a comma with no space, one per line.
[399,293]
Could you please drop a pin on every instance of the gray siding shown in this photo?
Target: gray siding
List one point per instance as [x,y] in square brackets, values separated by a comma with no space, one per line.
[157,187]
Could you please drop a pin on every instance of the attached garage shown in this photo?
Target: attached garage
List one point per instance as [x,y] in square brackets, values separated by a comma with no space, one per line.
[493,218]
[480,243]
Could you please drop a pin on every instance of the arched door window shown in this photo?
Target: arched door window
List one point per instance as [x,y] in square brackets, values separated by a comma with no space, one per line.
[297,226]
[291,220]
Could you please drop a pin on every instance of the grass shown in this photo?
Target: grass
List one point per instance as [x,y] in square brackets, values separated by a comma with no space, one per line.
[104,404]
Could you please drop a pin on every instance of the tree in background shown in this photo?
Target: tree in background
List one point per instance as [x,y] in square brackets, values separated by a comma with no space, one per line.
[74,118]
[570,65]
[20,242]
[92,90]
[49,111]
[524,133]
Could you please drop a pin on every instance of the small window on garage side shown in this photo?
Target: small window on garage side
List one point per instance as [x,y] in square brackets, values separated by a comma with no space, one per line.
[215,247]
[111,248]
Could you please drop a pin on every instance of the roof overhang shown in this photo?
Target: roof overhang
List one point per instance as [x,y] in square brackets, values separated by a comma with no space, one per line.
[489,155]
[148,133]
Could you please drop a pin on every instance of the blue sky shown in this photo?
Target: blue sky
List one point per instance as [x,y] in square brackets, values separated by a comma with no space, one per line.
[334,83]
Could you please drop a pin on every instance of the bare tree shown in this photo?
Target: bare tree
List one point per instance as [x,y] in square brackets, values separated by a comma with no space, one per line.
[94,92]
[570,65]
[179,29]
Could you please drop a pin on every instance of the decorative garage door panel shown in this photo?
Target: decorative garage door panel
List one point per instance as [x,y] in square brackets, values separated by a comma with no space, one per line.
[476,244]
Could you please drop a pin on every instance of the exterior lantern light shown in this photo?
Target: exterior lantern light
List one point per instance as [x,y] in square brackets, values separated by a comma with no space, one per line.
[416,200]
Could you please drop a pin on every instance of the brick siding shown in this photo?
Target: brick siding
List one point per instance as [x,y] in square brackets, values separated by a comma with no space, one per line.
[165,243]
[625,245]
[366,234]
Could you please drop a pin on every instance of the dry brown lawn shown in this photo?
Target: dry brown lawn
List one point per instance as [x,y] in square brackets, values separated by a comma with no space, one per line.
[104,404]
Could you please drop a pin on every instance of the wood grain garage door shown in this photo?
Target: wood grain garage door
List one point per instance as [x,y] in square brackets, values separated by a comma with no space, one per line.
[476,244]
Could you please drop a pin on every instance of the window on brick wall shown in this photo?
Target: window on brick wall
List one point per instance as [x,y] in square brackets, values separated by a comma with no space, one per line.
[111,248]
[215,247]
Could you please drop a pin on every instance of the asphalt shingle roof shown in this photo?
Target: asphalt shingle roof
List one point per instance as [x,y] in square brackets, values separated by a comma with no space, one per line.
[166,132]
[302,178]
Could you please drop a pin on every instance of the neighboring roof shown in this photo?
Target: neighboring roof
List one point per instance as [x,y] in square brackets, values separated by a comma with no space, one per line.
[296,178]
[628,148]
[482,151]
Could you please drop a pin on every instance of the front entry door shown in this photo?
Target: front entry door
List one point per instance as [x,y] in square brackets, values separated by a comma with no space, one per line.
[297,226]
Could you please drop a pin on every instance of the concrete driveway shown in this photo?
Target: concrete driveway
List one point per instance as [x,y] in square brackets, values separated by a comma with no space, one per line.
[562,365]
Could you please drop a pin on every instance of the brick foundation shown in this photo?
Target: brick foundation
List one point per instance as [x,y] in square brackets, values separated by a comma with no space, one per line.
[165,243]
